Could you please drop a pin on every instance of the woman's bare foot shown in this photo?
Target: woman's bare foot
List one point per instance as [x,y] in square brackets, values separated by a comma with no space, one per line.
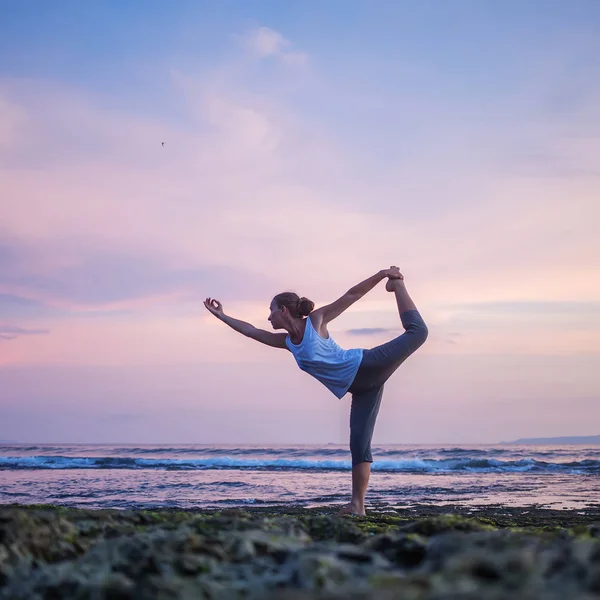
[392,282]
[351,509]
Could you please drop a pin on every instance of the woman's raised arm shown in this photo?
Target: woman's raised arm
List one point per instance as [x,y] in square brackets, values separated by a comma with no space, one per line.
[335,309]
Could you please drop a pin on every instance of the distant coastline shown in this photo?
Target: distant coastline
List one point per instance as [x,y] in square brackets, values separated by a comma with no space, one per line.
[571,439]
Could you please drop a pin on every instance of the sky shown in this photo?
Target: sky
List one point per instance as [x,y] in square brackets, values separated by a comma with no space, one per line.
[307,145]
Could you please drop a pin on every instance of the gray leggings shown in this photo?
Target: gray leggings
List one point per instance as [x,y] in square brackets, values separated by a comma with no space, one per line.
[367,388]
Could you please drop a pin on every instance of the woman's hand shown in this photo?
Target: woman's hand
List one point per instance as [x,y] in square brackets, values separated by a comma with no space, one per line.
[214,306]
[393,273]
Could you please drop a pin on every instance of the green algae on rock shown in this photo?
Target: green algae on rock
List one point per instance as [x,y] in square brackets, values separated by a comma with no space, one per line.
[426,554]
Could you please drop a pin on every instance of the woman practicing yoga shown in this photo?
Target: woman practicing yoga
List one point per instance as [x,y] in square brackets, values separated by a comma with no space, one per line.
[363,373]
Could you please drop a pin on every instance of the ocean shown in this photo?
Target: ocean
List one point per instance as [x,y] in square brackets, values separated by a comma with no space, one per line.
[196,476]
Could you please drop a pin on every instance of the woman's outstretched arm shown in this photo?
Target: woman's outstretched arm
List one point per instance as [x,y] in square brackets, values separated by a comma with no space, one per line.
[335,309]
[277,340]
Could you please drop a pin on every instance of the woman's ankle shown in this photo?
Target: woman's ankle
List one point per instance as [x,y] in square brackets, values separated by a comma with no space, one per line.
[392,284]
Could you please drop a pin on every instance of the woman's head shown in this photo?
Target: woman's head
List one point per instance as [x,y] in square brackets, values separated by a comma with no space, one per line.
[289,305]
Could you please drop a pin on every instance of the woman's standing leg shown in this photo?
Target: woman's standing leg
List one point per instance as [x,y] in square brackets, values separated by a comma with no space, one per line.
[363,414]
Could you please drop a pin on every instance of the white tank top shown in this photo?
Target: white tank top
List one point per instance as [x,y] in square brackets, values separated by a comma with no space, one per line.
[322,358]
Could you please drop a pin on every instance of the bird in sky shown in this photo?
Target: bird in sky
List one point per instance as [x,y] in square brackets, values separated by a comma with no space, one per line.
[162,143]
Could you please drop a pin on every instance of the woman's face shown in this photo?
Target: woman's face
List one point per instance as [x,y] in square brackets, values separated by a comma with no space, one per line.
[275,316]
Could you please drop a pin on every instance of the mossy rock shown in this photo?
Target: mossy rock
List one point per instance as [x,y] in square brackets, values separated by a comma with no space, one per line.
[326,527]
[71,553]
[405,550]
[431,526]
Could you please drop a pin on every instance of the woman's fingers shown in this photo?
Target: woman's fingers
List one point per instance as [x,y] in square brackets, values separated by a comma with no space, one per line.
[213,305]
[394,273]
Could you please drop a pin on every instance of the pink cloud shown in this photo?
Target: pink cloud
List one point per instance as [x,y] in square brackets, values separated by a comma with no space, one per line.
[250,195]
[12,332]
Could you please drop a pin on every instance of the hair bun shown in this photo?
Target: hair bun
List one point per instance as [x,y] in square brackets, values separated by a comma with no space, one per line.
[305,306]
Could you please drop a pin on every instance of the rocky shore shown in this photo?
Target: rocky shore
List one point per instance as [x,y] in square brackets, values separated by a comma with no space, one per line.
[418,553]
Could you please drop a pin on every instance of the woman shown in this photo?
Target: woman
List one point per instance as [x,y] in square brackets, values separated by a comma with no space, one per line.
[363,373]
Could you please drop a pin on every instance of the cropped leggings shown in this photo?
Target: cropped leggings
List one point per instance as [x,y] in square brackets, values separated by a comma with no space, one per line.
[367,387]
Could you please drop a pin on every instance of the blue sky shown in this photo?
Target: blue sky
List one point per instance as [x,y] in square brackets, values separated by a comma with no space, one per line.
[307,145]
